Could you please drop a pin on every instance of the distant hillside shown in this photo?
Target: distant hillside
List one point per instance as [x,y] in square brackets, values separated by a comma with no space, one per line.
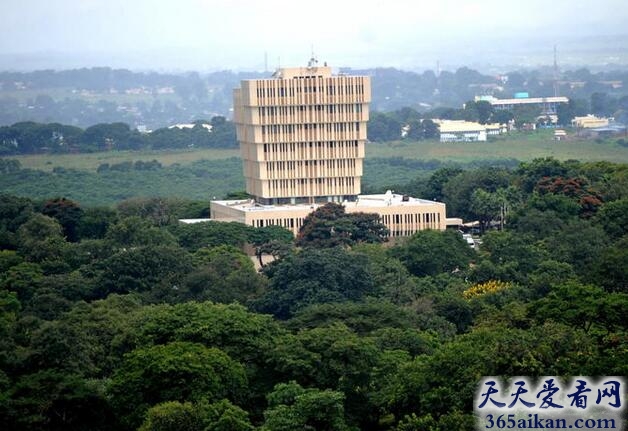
[84,97]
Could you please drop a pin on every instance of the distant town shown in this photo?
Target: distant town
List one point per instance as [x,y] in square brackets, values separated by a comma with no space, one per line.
[463,105]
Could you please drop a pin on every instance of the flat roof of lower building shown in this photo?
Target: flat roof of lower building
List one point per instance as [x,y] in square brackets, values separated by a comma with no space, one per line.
[458,126]
[611,128]
[363,201]
[530,100]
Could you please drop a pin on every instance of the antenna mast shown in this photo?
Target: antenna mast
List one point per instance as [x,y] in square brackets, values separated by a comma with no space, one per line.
[555,71]
[313,60]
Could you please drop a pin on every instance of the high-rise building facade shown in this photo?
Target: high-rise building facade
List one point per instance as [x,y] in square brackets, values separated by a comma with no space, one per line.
[302,135]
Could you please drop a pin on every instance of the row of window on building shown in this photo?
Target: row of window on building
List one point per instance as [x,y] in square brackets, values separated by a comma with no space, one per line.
[407,224]
[327,127]
[312,186]
[288,223]
[310,200]
[398,224]
[283,88]
[310,168]
[311,150]
[349,108]
[328,164]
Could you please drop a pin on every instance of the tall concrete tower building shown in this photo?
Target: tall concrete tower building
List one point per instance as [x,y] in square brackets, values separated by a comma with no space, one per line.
[302,135]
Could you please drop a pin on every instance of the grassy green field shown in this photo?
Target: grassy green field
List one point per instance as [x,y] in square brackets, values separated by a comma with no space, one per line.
[91,161]
[520,146]
[204,173]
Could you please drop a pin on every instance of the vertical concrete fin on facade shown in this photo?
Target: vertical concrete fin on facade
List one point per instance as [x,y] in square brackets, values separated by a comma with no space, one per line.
[302,134]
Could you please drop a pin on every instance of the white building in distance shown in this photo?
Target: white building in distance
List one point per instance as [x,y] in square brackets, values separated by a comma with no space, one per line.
[467,131]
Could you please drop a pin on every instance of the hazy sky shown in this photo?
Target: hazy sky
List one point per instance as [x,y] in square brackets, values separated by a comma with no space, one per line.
[219,34]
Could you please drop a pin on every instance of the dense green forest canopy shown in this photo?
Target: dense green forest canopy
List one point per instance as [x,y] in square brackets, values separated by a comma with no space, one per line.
[114,316]
[121,318]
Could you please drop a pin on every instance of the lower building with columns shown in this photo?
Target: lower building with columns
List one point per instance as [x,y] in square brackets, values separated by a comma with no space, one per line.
[402,215]
[302,136]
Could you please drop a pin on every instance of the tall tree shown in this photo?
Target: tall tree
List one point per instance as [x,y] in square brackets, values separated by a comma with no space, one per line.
[41,239]
[430,129]
[14,211]
[151,269]
[315,276]
[485,111]
[290,407]
[432,252]
[526,115]
[486,207]
[382,127]
[502,116]
[457,191]
[201,416]
[330,226]
[224,274]
[68,213]
[471,111]
[177,371]
[271,240]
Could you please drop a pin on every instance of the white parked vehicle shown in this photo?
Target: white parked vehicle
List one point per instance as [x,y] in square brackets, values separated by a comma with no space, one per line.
[469,239]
